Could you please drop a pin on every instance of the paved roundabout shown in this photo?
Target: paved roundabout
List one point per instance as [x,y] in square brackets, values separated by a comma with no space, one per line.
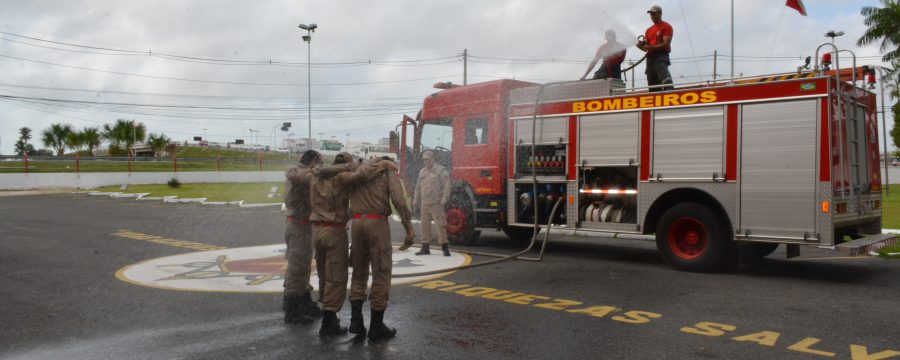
[255,269]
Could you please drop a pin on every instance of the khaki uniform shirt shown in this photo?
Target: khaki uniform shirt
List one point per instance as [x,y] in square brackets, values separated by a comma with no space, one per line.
[330,195]
[378,195]
[296,187]
[433,186]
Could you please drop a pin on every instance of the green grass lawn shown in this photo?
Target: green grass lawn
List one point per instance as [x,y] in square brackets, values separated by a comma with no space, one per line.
[163,165]
[249,192]
[201,152]
[891,218]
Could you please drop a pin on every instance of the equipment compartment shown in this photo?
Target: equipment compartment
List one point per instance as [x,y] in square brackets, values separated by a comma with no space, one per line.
[548,194]
[607,195]
[546,160]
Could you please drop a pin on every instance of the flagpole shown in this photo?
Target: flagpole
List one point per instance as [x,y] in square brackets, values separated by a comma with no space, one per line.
[732,41]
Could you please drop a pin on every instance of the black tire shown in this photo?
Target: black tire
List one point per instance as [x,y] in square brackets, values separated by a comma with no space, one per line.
[518,233]
[691,237]
[765,249]
[460,222]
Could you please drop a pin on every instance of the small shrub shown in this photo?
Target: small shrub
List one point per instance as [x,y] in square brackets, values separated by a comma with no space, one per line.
[174,183]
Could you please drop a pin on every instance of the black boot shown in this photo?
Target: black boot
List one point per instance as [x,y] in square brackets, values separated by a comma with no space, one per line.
[310,308]
[294,311]
[446,249]
[424,250]
[357,323]
[377,329]
[331,326]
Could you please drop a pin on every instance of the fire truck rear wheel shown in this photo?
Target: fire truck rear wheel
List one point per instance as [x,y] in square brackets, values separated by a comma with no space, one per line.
[691,237]
[460,223]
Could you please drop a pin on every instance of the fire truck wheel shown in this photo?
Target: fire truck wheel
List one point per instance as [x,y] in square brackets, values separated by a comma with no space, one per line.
[518,233]
[460,223]
[691,237]
[765,249]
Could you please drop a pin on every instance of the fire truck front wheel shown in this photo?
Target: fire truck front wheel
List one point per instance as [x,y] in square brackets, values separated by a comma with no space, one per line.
[460,223]
[691,237]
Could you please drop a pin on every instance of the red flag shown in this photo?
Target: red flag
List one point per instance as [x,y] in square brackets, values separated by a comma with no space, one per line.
[797,5]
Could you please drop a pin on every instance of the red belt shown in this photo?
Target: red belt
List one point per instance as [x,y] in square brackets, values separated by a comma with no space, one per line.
[369,216]
[296,220]
[330,224]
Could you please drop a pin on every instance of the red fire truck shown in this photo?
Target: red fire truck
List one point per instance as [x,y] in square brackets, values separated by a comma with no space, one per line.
[717,171]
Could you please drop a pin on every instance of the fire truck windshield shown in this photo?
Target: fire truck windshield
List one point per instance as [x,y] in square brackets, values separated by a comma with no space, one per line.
[437,134]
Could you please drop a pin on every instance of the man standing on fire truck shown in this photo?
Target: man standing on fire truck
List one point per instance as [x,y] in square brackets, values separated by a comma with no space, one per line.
[657,43]
[330,200]
[371,245]
[431,194]
[613,54]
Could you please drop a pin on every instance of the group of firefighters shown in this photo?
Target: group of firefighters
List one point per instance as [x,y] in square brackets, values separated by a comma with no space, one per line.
[321,200]
[656,42]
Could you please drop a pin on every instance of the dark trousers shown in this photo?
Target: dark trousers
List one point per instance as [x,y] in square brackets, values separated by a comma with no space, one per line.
[658,72]
[607,71]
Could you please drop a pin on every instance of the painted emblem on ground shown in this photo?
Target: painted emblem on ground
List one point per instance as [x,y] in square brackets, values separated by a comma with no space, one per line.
[258,269]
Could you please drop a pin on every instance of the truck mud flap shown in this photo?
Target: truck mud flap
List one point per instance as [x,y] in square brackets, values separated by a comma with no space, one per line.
[864,246]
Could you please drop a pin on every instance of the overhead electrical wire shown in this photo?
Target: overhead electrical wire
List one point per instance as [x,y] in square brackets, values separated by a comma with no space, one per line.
[225,61]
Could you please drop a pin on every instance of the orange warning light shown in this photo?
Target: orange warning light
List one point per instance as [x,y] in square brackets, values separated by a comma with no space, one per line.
[826,206]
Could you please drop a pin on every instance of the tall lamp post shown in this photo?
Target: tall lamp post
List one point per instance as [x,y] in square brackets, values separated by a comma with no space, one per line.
[311,28]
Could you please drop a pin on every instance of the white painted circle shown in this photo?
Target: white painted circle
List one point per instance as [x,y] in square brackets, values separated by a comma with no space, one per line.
[256,269]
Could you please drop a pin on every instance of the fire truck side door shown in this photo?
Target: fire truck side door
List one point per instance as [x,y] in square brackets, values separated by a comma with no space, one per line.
[778,169]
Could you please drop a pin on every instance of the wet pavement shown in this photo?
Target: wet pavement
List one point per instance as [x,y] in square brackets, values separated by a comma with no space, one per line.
[590,298]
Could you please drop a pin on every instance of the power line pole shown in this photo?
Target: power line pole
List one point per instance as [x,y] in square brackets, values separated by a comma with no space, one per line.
[465,66]
[715,62]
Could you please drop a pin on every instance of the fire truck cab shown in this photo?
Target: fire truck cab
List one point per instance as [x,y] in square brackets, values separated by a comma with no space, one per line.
[714,172]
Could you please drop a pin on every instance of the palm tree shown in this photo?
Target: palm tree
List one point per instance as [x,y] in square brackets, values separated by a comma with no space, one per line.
[124,133]
[56,137]
[91,137]
[22,146]
[75,141]
[158,143]
[884,24]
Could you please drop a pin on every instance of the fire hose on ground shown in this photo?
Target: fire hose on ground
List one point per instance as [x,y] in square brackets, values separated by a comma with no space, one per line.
[500,257]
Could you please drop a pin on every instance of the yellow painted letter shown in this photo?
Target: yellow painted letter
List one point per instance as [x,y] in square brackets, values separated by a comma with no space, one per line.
[578,106]
[596,311]
[709,329]
[859,352]
[767,338]
[637,317]
[434,284]
[805,346]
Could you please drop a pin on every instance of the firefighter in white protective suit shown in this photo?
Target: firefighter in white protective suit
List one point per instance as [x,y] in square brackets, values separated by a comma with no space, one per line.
[431,195]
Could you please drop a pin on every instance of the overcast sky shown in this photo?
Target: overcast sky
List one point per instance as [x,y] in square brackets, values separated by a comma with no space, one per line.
[184,66]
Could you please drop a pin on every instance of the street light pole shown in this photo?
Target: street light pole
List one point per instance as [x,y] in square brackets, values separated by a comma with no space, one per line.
[311,28]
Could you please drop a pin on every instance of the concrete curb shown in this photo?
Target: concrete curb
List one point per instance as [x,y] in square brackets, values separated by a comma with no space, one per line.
[175,199]
[150,198]
[281,205]
[890,231]
[98,193]
[220,203]
[128,195]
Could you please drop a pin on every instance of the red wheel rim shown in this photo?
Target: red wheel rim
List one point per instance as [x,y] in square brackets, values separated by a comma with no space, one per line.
[688,238]
[456,221]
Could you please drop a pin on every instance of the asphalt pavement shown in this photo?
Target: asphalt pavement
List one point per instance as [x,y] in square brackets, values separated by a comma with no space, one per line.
[64,294]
